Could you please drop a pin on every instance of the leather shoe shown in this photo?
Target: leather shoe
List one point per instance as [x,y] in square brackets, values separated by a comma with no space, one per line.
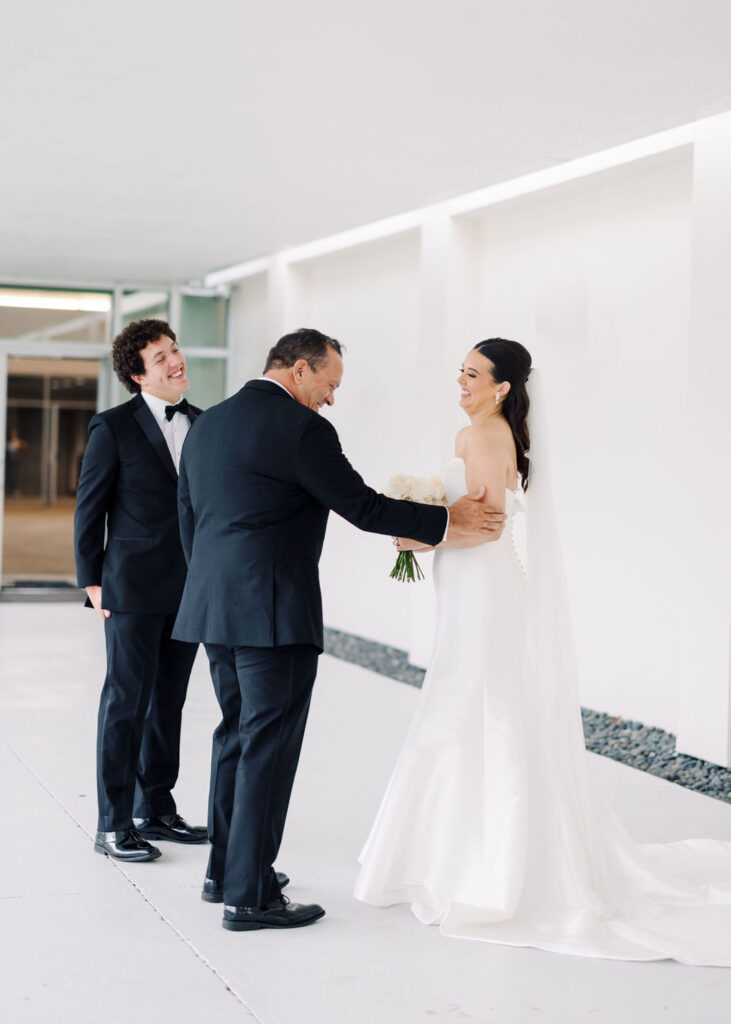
[280,913]
[125,845]
[212,891]
[171,827]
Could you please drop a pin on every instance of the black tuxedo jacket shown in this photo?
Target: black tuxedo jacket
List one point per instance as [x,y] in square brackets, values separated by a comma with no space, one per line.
[128,484]
[258,476]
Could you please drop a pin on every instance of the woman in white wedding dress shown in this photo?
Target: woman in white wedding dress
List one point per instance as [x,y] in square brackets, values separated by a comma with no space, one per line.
[490,826]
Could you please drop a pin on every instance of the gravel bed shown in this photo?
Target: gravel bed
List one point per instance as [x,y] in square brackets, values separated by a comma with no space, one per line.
[641,746]
[387,661]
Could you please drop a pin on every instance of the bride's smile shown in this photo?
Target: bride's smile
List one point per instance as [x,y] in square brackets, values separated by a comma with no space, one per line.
[479,392]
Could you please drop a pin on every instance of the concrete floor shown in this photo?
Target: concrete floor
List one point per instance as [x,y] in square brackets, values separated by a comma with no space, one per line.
[84,939]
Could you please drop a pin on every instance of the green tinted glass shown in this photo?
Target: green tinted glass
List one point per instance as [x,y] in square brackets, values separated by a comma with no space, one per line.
[202,322]
[207,381]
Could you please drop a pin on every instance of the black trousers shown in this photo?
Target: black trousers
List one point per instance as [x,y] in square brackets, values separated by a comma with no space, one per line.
[140,713]
[264,694]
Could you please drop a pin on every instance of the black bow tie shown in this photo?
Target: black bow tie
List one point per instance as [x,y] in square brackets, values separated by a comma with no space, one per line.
[183,406]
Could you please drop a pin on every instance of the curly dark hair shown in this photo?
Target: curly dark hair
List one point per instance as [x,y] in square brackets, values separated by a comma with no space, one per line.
[128,344]
[306,343]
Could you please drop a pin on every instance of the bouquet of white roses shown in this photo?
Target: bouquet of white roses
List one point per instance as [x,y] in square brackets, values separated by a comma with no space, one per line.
[412,488]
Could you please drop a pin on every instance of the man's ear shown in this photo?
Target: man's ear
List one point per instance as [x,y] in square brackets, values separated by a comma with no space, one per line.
[298,370]
[138,378]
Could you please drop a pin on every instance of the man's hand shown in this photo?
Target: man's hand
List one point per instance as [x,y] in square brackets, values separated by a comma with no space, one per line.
[472,516]
[95,596]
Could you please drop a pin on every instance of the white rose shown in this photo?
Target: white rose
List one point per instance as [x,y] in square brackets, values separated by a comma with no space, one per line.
[429,491]
[397,487]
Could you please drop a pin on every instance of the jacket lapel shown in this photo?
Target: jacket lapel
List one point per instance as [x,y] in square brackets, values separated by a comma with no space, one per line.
[152,432]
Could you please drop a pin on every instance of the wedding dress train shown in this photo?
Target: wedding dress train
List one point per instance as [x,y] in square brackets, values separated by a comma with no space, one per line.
[491,826]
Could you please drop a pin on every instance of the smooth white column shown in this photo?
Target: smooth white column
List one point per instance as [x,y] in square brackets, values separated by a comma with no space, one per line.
[446,313]
[248,330]
[704,718]
[286,298]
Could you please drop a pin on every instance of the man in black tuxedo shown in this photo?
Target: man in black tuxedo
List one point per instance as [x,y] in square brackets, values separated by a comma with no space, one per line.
[259,475]
[128,486]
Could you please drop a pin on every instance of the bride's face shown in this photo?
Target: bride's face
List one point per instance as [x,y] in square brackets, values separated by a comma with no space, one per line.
[477,385]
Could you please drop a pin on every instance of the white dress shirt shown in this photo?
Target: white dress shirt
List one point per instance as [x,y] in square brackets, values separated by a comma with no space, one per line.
[174,430]
[272,381]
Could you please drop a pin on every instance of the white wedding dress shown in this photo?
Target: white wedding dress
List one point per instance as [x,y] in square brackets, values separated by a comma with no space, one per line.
[491,827]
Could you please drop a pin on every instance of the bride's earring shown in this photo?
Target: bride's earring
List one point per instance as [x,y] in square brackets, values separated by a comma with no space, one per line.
[497,398]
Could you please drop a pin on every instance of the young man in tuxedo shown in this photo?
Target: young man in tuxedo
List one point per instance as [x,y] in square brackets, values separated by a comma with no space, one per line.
[259,475]
[134,581]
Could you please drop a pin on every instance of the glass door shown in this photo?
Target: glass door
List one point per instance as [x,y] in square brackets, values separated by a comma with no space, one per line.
[49,405]
[55,372]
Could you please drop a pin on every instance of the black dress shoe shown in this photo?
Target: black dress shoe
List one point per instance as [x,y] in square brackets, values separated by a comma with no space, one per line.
[125,845]
[212,891]
[171,827]
[279,913]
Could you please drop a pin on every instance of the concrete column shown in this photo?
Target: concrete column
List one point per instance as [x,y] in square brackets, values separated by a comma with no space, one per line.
[286,298]
[447,262]
[704,718]
[248,330]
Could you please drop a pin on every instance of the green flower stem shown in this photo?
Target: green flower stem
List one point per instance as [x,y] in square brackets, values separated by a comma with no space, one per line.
[406,569]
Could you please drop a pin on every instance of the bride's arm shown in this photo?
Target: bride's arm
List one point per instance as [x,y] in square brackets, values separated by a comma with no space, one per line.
[405,544]
[486,465]
[454,540]
[460,540]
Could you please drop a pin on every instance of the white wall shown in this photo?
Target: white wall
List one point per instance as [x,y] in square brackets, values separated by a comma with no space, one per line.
[367,298]
[594,277]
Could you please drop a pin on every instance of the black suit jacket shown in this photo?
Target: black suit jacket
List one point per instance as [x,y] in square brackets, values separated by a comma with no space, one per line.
[258,476]
[128,485]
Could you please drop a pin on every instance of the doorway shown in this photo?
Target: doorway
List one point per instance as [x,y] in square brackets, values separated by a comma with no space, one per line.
[55,372]
[49,405]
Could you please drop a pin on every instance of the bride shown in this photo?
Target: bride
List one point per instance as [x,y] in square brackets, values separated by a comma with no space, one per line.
[491,826]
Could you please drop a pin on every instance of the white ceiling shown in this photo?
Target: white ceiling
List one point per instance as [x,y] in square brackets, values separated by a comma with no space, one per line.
[156,140]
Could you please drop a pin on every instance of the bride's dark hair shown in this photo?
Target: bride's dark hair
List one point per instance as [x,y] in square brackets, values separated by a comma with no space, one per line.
[512,362]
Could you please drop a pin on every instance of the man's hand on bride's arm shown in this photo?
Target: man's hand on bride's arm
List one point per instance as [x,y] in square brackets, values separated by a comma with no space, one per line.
[471,516]
[404,544]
